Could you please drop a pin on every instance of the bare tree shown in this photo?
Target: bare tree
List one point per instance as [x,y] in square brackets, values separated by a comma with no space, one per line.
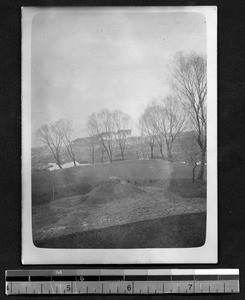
[49,135]
[64,129]
[191,157]
[141,150]
[189,80]
[122,132]
[148,129]
[155,117]
[102,124]
[169,120]
[102,151]
[91,142]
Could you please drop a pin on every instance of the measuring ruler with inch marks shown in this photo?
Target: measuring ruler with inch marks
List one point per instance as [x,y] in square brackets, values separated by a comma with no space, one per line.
[122,281]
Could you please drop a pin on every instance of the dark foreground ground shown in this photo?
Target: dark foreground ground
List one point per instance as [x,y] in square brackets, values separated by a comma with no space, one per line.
[181,231]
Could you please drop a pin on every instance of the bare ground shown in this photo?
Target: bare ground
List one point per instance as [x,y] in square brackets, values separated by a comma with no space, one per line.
[109,207]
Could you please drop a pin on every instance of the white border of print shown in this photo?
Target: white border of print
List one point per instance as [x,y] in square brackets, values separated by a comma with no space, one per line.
[205,254]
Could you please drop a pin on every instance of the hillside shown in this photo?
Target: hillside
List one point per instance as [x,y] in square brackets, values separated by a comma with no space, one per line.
[41,156]
[47,186]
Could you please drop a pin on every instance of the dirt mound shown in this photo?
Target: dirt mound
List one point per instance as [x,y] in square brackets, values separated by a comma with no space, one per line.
[113,188]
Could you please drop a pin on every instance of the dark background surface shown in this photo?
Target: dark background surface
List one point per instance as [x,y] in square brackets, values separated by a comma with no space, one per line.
[231,102]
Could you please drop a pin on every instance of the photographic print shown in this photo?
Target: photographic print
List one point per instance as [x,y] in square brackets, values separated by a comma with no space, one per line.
[119,142]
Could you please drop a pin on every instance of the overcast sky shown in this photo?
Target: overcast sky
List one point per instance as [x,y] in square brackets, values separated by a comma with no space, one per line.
[85,61]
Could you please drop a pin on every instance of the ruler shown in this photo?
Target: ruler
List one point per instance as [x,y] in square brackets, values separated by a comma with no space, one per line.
[122,281]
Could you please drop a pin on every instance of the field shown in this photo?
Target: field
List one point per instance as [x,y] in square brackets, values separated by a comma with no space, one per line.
[125,204]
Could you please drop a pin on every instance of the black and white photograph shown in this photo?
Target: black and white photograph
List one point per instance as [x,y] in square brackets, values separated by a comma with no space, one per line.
[119,135]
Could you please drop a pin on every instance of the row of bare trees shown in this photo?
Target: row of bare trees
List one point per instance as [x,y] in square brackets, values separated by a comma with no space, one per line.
[105,129]
[162,121]
[108,128]
[55,135]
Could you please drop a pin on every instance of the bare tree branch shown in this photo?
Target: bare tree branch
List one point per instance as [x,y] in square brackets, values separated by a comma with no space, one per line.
[165,120]
[102,125]
[63,127]
[189,80]
[122,132]
[49,135]
[147,128]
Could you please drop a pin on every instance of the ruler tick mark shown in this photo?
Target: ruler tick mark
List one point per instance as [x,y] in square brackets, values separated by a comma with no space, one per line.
[149,286]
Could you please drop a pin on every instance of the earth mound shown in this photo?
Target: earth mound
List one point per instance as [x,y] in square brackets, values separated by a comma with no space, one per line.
[113,188]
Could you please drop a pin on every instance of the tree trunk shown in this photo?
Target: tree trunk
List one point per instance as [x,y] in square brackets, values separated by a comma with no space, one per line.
[108,151]
[90,149]
[102,157]
[58,161]
[152,153]
[122,150]
[109,156]
[201,172]
[169,153]
[143,153]
[161,151]
[193,172]
[74,162]
[71,153]
[122,155]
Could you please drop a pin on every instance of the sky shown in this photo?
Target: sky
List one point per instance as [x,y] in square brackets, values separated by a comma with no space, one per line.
[83,61]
